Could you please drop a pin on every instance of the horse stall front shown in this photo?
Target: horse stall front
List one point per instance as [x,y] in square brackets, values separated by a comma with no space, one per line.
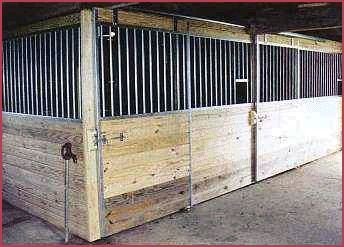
[162,113]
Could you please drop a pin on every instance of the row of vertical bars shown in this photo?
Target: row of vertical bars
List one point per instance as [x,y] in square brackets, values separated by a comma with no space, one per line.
[41,74]
[278,73]
[145,71]
[319,74]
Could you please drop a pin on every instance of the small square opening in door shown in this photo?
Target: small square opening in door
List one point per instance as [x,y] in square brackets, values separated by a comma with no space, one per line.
[241,87]
[339,86]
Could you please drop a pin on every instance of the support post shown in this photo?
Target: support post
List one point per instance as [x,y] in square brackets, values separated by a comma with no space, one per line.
[90,119]
[255,72]
[188,58]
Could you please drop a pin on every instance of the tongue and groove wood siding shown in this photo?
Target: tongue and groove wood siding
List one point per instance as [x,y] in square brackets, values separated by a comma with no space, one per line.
[295,132]
[146,173]
[221,150]
[33,170]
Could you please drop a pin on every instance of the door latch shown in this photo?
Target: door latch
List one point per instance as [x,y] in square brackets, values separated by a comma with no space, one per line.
[252,117]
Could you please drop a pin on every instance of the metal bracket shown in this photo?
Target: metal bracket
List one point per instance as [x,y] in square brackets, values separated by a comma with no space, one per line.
[104,140]
[252,117]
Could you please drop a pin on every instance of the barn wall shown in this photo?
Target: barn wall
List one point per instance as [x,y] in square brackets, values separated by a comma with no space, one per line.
[33,170]
[294,132]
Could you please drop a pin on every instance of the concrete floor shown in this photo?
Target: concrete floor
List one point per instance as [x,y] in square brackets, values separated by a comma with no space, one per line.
[302,206]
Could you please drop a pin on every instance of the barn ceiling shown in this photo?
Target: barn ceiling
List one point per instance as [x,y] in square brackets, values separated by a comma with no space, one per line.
[322,20]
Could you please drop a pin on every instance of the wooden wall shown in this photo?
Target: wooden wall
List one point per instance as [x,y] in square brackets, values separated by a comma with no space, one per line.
[33,171]
[221,150]
[294,132]
[146,174]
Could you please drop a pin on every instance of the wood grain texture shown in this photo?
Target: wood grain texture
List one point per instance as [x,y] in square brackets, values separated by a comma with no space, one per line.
[144,20]
[144,205]
[154,151]
[221,150]
[294,132]
[33,170]
[214,30]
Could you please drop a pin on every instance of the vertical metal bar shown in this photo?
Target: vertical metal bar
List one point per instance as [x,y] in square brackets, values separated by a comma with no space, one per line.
[143,73]
[194,72]
[56,79]
[220,53]
[226,98]
[135,64]
[298,68]
[200,72]
[234,72]
[158,69]
[206,71]
[11,78]
[270,75]
[178,76]
[51,76]
[273,68]
[128,74]
[265,72]
[248,99]
[73,76]
[189,117]
[171,73]
[45,76]
[31,76]
[263,66]
[23,96]
[102,70]
[211,72]
[6,64]
[16,65]
[150,70]
[67,73]
[119,71]
[4,79]
[307,71]
[7,77]
[216,82]
[36,82]
[79,70]
[61,66]
[184,76]
[243,60]
[41,74]
[230,72]
[19,82]
[164,57]
[111,73]
[280,73]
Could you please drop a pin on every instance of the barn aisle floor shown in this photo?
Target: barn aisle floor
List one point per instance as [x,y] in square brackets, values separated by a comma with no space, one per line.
[301,206]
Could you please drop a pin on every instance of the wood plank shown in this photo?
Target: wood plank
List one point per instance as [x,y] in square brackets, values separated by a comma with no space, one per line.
[33,170]
[90,122]
[154,151]
[296,132]
[138,207]
[144,20]
[214,30]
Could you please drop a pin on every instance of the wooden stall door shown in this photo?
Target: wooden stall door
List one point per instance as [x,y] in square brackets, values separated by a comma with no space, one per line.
[145,169]
[294,132]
